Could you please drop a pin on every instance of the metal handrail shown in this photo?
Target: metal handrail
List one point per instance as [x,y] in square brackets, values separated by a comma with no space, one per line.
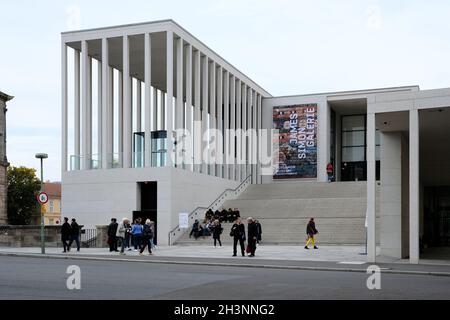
[222,195]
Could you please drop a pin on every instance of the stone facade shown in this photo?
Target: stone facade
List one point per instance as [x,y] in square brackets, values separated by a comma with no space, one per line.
[3,159]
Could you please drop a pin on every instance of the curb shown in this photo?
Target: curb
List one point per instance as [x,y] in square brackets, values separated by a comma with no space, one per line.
[225,264]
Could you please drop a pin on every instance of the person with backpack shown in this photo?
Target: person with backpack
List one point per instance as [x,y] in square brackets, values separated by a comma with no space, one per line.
[217,231]
[65,234]
[74,234]
[147,236]
[136,231]
[238,234]
[311,231]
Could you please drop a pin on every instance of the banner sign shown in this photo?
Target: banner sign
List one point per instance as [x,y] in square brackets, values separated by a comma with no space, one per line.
[297,141]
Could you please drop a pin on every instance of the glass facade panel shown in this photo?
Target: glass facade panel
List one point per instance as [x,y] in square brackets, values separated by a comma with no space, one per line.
[353,138]
[352,123]
[353,154]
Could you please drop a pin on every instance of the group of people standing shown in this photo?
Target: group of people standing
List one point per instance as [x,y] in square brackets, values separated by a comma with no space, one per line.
[69,234]
[238,234]
[140,235]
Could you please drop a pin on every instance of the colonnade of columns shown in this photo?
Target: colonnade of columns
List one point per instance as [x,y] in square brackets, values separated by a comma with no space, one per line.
[200,96]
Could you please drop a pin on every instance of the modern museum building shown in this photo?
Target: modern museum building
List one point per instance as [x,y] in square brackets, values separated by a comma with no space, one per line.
[156,124]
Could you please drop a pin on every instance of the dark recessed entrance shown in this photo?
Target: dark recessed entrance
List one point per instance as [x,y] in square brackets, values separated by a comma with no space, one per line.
[437,217]
[149,204]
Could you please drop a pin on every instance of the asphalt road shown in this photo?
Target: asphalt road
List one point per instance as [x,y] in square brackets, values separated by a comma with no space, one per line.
[32,278]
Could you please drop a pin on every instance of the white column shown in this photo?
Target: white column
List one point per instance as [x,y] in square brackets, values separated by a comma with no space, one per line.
[197,113]
[414,186]
[212,115]
[120,119]
[127,105]
[64,106]
[99,114]
[105,105]
[188,130]
[162,117]
[84,104]
[89,115]
[371,189]
[239,126]
[226,123]
[233,127]
[148,100]
[219,144]
[323,149]
[138,106]
[260,117]
[110,119]
[253,149]
[244,129]
[205,113]
[155,109]
[179,113]
[169,98]
[77,113]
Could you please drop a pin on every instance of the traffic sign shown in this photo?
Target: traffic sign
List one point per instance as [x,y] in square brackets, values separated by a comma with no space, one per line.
[42,198]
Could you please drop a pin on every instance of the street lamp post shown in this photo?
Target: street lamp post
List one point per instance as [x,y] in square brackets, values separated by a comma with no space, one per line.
[42,156]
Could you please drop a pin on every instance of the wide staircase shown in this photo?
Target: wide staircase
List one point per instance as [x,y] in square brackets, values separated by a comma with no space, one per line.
[284,209]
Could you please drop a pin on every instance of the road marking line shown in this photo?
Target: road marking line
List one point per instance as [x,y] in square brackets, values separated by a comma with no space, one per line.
[351,262]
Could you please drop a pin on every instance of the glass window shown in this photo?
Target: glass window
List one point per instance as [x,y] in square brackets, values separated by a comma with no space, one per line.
[52,208]
[351,123]
[353,154]
[353,138]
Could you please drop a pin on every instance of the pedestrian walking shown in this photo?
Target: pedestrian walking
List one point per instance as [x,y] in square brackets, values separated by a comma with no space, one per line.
[311,231]
[330,171]
[147,236]
[238,234]
[74,234]
[121,230]
[259,231]
[152,240]
[65,234]
[112,239]
[128,236]
[136,231]
[252,236]
[217,231]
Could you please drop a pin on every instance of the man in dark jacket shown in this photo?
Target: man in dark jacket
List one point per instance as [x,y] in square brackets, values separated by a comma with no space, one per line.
[238,234]
[65,234]
[112,238]
[195,229]
[259,231]
[311,231]
[252,236]
[75,234]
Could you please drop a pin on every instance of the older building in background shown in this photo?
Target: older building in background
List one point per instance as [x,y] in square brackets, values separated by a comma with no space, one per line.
[3,159]
[52,213]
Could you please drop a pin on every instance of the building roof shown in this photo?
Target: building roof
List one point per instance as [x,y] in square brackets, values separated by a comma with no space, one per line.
[5,97]
[53,189]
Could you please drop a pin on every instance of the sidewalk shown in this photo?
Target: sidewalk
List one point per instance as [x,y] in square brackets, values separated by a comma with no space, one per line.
[347,254]
[327,258]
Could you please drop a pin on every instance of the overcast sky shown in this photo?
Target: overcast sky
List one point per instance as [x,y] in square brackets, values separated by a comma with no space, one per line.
[288,47]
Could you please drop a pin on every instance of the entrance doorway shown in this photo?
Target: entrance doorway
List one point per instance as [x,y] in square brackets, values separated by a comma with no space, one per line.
[149,204]
[437,217]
